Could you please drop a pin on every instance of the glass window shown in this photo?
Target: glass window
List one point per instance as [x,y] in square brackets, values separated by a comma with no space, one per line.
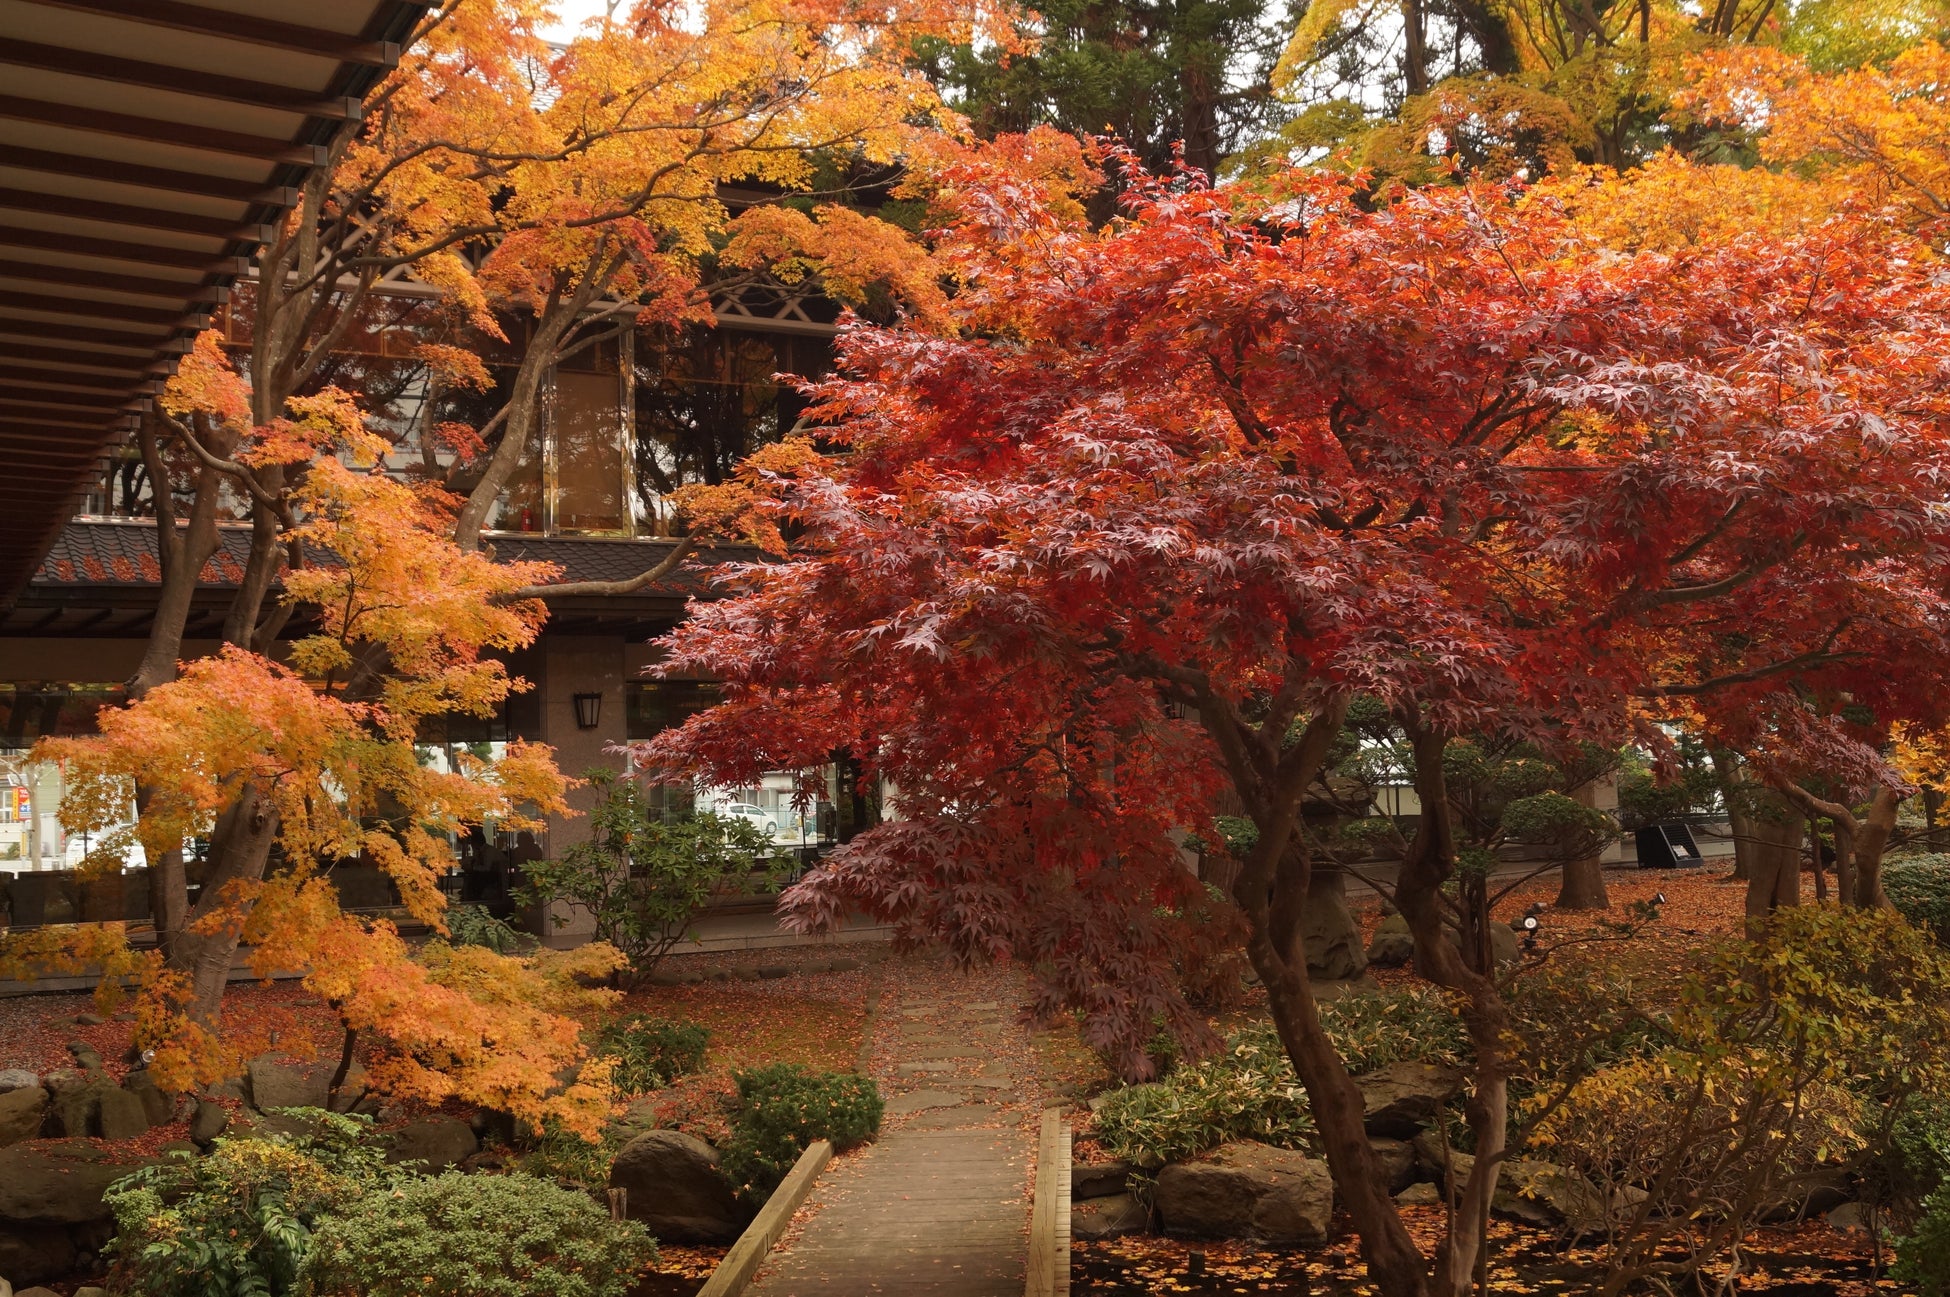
[778,803]
[31,836]
[587,426]
[703,401]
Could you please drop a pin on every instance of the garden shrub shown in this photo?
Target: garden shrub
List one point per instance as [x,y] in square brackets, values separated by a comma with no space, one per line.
[239,1222]
[644,877]
[1203,1105]
[457,1235]
[781,1109]
[1250,1091]
[650,1053]
[1923,1255]
[1774,1057]
[471,925]
[1919,888]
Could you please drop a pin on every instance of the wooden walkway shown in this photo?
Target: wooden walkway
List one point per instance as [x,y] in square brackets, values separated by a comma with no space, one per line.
[938,1206]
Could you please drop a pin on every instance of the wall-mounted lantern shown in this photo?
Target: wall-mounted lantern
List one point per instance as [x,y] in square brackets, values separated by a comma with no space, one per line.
[589,711]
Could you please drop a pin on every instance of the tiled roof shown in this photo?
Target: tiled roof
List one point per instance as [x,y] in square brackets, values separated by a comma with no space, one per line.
[123,553]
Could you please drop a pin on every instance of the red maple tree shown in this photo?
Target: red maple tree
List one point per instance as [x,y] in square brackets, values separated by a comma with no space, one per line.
[1179,489]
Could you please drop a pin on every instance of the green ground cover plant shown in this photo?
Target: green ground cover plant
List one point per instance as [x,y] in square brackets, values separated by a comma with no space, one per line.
[457,1235]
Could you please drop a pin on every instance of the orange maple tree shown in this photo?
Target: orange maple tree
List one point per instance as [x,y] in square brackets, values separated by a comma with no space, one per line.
[551,195]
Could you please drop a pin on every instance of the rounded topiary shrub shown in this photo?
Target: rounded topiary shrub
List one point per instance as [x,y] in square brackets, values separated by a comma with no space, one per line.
[781,1109]
[457,1235]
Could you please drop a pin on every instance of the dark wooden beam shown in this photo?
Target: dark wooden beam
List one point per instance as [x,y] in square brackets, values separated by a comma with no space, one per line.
[53,414]
[206,139]
[92,309]
[37,432]
[14,398]
[130,173]
[173,290]
[20,236]
[133,365]
[243,27]
[146,218]
[134,337]
[26,377]
[175,79]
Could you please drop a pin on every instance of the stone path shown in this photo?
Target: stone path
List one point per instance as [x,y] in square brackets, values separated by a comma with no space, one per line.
[938,1206]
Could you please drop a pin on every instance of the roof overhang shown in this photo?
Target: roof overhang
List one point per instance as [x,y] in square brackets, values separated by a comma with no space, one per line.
[146,148]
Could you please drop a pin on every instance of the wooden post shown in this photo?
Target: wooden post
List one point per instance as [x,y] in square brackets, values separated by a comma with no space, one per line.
[1049,1218]
[742,1262]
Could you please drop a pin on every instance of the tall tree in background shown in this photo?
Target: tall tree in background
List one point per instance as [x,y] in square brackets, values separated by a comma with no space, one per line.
[1158,75]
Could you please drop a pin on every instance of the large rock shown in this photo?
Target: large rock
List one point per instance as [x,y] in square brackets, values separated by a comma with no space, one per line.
[21,1112]
[18,1078]
[437,1142]
[77,1108]
[154,1102]
[1391,946]
[276,1084]
[122,1115]
[1109,1217]
[1098,1179]
[1248,1190]
[56,1182]
[1541,1193]
[31,1253]
[1395,1158]
[1402,1098]
[676,1189]
[210,1121]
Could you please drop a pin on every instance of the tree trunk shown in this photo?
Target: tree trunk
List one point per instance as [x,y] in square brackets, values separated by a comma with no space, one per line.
[1583,886]
[1395,1265]
[1429,864]
[1775,832]
[240,849]
[1870,843]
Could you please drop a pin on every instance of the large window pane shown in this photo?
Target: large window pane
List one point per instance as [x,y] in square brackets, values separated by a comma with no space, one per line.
[31,836]
[704,400]
[588,428]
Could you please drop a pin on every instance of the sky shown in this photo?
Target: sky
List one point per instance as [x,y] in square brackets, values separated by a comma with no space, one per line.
[571,15]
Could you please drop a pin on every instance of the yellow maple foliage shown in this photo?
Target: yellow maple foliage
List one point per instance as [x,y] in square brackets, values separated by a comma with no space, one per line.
[1879,136]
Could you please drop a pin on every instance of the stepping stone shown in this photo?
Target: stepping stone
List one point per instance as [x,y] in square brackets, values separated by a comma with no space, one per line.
[909,1069]
[985,1004]
[967,1114]
[915,1101]
[945,1051]
[986,1082]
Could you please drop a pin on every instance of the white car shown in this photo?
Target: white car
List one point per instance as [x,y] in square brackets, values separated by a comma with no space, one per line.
[755,816]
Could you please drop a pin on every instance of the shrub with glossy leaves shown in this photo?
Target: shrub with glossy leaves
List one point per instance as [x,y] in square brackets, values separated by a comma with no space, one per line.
[1250,1091]
[781,1109]
[457,1235]
[240,1222]
[650,1053]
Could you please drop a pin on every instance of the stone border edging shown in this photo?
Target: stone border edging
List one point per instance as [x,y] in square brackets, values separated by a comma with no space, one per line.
[1049,1218]
[742,1261]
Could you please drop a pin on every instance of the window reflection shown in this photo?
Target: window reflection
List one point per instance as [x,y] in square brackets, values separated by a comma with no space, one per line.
[775,804]
[627,419]
[706,399]
[31,836]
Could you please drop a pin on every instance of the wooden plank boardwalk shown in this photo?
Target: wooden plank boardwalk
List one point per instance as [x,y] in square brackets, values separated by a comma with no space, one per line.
[938,1206]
